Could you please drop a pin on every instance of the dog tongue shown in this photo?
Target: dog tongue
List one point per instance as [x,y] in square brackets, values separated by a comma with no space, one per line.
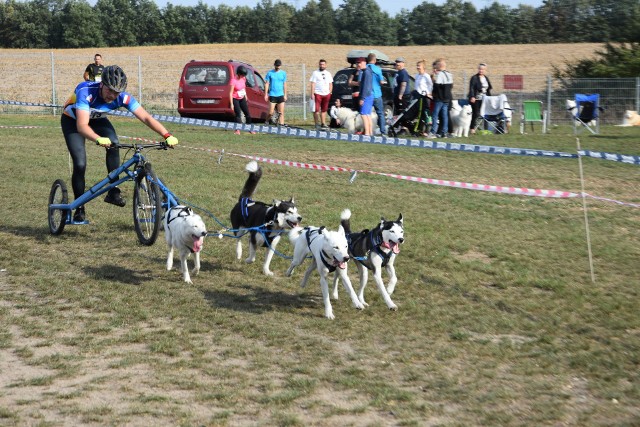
[197,243]
[395,248]
[342,265]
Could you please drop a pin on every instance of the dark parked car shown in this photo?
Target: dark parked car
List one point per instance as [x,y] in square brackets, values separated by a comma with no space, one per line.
[204,90]
[342,90]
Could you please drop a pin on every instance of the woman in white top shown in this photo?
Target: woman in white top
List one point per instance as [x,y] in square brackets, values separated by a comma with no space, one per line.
[423,86]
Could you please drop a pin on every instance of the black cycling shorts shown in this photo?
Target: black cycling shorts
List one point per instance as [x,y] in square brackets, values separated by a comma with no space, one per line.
[276,99]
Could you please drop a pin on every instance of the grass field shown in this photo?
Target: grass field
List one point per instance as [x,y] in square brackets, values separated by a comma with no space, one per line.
[498,324]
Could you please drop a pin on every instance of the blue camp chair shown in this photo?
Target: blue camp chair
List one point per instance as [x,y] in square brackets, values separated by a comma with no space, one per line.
[586,113]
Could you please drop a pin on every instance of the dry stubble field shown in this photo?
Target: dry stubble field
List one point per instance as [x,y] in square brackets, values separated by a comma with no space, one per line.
[161,65]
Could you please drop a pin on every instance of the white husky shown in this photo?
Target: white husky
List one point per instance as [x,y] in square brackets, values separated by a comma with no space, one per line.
[352,120]
[330,253]
[460,119]
[184,231]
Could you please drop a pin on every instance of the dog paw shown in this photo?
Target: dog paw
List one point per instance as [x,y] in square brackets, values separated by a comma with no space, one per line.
[393,307]
[249,260]
[329,316]
[360,306]
[195,271]
[188,280]
[268,273]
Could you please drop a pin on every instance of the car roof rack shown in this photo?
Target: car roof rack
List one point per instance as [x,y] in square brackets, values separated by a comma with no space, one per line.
[381,58]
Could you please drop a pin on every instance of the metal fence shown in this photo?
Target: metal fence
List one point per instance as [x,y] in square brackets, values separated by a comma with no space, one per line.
[51,78]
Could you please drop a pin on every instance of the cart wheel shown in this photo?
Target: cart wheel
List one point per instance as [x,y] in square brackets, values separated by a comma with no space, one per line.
[58,217]
[147,206]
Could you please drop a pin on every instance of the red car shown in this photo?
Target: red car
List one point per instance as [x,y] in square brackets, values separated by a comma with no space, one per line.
[204,91]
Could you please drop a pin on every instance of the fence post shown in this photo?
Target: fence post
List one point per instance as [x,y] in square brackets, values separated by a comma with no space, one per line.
[139,79]
[637,94]
[304,94]
[53,84]
[549,89]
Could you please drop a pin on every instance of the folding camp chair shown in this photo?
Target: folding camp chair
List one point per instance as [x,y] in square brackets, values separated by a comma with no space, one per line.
[493,114]
[531,113]
[586,113]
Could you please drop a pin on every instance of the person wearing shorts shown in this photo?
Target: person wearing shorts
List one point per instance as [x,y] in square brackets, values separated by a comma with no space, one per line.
[366,95]
[321,88]
[276,90]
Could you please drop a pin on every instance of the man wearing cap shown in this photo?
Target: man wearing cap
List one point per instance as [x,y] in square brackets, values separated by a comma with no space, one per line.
[366,95]
[401,86]
[275,90]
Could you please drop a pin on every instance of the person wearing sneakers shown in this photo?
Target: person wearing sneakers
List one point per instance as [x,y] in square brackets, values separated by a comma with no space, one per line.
[321,88]
[238,95]
[275,88]
[84,117]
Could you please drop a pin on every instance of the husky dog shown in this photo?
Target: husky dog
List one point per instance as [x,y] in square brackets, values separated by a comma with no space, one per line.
[460,119]
[185,231]
[352,120]
[373,250]
[248,213]
[330,253]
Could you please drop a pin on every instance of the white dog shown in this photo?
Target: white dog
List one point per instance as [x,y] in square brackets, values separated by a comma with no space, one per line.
[352,120]
[460,119]
[631,118]
[330,252]
[184,231]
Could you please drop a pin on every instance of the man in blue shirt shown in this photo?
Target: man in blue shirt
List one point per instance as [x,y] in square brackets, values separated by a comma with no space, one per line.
[366,95]
[85,117]
[378,104]
[276,90]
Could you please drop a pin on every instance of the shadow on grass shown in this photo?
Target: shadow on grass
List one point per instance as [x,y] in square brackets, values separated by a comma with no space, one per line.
[117,273]
[38,233]
[258,300]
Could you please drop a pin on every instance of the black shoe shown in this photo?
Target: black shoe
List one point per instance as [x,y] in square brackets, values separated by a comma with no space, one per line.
[79,215]
[115,198]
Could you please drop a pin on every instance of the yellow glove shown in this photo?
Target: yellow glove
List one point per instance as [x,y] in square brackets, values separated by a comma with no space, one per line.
[171,140]
[103,141]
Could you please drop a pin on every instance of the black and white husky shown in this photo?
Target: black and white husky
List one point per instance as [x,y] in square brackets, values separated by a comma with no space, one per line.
[275,218]
[330,253]
[373,250]
[185,231]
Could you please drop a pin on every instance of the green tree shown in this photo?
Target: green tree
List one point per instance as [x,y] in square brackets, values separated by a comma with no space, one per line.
[616,60]
[524,28]
[116,19]
[80,26]
[26,25]
[150,25]
[271,22]
[225,23]
[496,22]
[362,22]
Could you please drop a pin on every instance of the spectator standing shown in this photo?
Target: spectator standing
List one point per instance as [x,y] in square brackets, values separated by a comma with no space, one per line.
[366,95]
[276,90]
[238,95]
[442,97]
[84,116]
[378,104]
[401,86]
[423,88]
[354,84]
[321,88]
[93,72]
[479,87]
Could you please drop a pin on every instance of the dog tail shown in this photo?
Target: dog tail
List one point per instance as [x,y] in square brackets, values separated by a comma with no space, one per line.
[345,220]
[295,233]
[255,173]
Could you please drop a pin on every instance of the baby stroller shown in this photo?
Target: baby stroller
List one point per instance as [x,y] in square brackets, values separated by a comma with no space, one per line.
[415,119]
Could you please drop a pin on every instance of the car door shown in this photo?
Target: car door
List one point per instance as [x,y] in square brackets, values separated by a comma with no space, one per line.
[258,107]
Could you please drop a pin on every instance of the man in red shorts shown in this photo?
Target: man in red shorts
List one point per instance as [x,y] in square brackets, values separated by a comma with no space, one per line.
[321,88]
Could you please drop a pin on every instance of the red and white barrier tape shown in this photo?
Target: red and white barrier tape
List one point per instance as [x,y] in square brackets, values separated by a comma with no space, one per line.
[530,192]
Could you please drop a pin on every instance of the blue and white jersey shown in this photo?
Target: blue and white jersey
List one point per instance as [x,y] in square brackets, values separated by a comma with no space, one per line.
[86,96]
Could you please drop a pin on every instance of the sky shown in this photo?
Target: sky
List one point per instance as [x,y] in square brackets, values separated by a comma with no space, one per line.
[392,7]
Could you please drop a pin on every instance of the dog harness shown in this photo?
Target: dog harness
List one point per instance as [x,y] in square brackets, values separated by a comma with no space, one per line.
[184,212]
[245,202]
[364,243]
[330,267]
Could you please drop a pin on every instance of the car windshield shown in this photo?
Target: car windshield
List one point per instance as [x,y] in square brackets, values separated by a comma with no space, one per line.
[211,75]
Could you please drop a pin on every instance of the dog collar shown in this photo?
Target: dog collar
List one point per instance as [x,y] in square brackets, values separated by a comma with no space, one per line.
[330,267]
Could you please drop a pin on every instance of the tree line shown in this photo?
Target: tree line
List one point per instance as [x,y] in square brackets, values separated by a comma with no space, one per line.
[113,23]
